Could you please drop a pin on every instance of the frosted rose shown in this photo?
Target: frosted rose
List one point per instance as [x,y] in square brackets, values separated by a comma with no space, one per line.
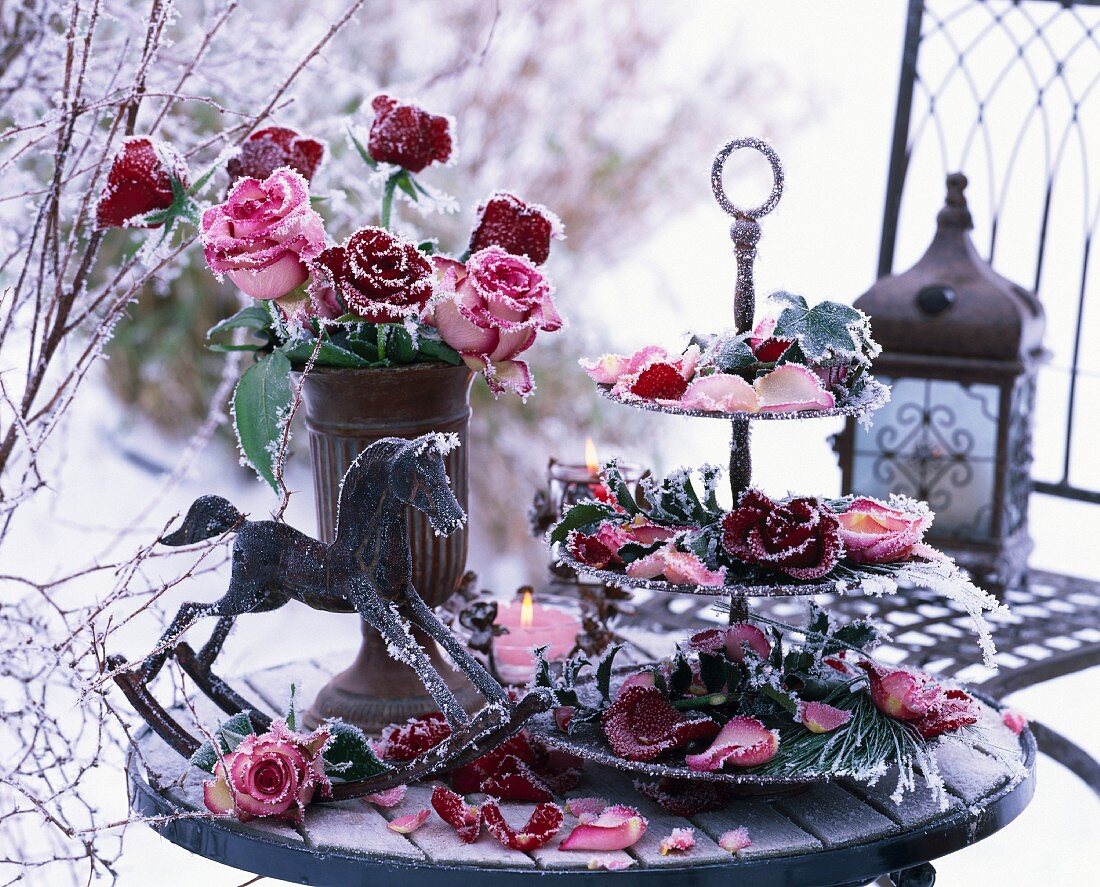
[495,307]
[274,774]
[874,533]
[524,229]
[408,136]
[264,235]
[139,183]
[266,150]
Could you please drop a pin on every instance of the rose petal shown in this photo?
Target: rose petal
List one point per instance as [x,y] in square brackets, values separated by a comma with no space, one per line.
[643,678]
[791,388]
[1014,720]
[586,809]
[743,742]
[680,839]
[453,810]
[217,796]
[735,840]
[616,828]
[688,361]
[819,717]
[391,797]
[721,393]
[406,825]
[609,863]
[541,826]
[740,635]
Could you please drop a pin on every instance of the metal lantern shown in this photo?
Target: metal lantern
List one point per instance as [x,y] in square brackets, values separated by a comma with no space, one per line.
[961,346]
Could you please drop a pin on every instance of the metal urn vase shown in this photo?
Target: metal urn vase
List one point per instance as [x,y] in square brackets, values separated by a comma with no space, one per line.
[345,411]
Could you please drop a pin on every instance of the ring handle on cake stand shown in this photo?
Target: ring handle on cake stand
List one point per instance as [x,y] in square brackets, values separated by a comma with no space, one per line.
[745,234]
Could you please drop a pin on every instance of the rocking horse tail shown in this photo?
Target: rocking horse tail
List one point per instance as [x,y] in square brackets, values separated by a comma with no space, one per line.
[208,516]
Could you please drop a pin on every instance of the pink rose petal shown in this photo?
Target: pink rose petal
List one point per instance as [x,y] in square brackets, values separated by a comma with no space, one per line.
[741,635]
[586,809]
[721,393]
[1014,720]
[735,840]
[874,533]
[743,742]
[391,797]
[406,825]
[685,568]
[644,678]
[688,361]
[609,368]
[819,717]
[609,863]
[616,828]
[679,839]
[217,796]
[791,388]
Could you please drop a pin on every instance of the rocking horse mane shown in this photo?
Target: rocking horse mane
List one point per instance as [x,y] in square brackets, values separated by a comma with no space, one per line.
[361,479]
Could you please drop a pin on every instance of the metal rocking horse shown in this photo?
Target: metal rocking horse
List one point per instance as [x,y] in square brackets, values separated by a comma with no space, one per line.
[367,569]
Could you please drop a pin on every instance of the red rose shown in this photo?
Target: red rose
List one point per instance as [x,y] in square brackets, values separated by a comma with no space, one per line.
[374,274]
[268,149]
[800,537]
[139,183]
[522,229]
[408,136]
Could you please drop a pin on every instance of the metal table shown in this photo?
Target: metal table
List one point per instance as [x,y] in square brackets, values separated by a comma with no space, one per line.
[838,833]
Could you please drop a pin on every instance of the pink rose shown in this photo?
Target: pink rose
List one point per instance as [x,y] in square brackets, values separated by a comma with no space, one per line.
[874,533]
[273,774]
[496,305]
[264,235]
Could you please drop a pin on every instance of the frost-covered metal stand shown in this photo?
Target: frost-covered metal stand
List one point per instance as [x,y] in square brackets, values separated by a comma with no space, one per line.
[837,833]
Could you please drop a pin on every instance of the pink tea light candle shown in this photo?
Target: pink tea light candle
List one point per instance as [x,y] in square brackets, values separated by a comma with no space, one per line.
[531,625]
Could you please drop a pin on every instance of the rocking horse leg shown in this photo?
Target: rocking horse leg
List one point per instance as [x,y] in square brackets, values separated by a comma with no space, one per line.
[189,613]
[382,615]
[213,646]
[425,617]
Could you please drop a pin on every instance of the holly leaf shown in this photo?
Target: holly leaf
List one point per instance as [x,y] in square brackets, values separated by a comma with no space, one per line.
[348,755]
[603,672]
[861,634]
[615,483]
[260,401]
[579,516]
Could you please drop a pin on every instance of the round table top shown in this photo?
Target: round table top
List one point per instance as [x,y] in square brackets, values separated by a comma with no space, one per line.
[839,832]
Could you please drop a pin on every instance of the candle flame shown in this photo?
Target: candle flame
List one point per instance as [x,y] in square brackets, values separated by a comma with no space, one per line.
[526,611]
[591,458]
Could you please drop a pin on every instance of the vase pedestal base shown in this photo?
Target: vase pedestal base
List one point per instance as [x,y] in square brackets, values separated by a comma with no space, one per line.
[376,690]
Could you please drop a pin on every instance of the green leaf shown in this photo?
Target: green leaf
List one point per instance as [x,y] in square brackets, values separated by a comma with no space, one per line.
[292,711]
[712,672]
[580,516]
[229,734]
[400,346]
[862,634]
[227,349]
[260,402]
[635,551]
[680,676]
[825,332]
[254,317]
[734,354]
[348,756]
[363,152]
[404,182]
[789,702]
[619,489]
[329,355]
[603,672]
[435,349]
[200,183]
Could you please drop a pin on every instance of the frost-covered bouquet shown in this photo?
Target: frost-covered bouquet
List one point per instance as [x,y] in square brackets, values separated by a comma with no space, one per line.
[765,698]
[678,533]
[796,358]
[376,299]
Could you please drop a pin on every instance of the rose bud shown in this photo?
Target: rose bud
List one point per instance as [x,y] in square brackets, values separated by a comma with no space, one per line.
[274,774]
[765,347]
[496,306]
[375,274]
[266,150]
[874,533]
[523,229]
[139,183]
[408,136]
[900,693]
[264,235]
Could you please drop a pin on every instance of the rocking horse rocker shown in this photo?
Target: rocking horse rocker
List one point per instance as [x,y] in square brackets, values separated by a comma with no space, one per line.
[367,569]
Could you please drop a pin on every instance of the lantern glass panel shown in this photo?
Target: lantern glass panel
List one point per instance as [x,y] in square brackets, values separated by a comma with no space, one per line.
[936,440]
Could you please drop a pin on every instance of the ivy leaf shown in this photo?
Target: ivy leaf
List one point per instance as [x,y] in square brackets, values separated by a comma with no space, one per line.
[260,402]
[733,355]
[581,516]
[348,756]
[825,332]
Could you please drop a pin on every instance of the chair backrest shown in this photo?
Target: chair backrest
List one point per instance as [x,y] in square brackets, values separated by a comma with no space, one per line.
[1008,92]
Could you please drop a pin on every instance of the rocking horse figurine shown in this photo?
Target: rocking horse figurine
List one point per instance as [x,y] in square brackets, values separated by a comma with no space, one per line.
[367,569]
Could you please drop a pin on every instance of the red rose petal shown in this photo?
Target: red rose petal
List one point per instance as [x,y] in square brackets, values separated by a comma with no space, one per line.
[544,823]
[515,781]
[563,714]
[1014,720]
[951,710]
[139,182]
[403,742]
[820,717]
[453,810]
[641,725]
[683,797]
[589,550]
[659,381]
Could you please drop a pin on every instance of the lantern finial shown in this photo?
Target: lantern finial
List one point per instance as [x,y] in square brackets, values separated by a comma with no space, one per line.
[955,213]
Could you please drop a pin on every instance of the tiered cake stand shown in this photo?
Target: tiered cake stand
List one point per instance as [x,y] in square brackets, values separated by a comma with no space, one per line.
[586,740]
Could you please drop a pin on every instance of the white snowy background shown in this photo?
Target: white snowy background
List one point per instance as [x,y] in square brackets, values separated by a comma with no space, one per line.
[822,241]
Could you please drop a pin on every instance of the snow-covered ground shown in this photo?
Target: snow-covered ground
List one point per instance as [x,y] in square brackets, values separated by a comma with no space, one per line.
[822,241]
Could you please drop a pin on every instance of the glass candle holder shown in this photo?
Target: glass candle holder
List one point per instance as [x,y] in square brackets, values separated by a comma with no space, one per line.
[531,624]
